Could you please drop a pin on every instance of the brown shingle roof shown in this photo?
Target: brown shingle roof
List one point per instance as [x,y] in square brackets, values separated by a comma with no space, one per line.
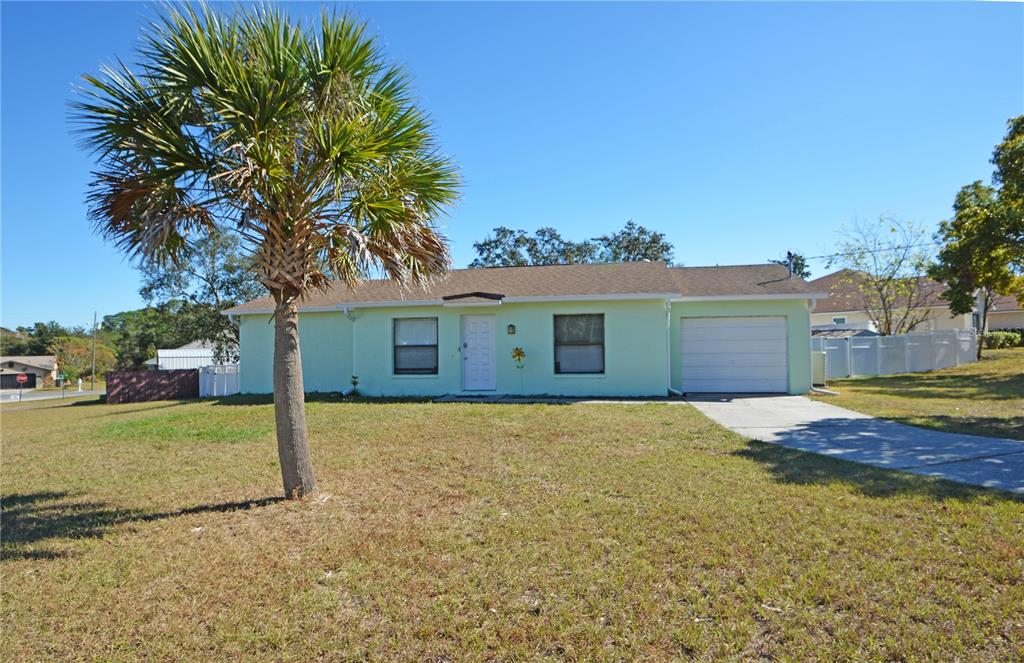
[843,294]
[767,279]
[47,362]
[1006,303]
[556,281]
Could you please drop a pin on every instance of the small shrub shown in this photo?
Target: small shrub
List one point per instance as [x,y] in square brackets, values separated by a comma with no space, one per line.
[1015,330]
[995,340]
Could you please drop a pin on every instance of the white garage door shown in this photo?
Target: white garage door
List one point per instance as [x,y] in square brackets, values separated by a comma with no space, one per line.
[741,355]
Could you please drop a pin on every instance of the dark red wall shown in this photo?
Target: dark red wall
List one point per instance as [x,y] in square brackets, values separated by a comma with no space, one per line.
[139,386]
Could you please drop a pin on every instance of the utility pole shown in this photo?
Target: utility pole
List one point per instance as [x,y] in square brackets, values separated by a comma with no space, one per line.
[94,350]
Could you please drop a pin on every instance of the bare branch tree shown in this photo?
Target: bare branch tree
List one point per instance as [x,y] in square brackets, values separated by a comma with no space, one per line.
[884,262]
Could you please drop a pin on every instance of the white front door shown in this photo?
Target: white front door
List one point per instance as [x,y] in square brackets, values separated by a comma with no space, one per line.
[479,366]
[739,355]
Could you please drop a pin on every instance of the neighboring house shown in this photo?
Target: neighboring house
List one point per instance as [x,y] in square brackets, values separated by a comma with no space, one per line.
[196,354]
[626,329]
[844,306]
[41,371]
[1006,313]
[841,332]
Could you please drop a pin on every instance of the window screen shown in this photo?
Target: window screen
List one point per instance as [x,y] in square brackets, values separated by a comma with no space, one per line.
[415,346]
[579,343]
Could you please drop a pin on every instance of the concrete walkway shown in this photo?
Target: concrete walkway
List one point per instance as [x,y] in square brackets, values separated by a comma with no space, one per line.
[800,423]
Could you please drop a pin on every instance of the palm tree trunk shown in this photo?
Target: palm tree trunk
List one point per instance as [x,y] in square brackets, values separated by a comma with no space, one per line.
[290,404]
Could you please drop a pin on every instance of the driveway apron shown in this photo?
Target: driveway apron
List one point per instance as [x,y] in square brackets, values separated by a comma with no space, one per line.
[800,423]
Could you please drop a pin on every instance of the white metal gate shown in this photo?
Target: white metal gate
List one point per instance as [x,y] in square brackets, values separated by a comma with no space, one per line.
[219,381]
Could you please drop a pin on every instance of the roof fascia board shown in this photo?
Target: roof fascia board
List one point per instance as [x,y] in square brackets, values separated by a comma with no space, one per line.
[439,302]
[749,298]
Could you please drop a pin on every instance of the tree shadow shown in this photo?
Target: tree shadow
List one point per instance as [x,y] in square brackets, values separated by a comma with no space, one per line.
[941,385]
[314,397]
[501,399]
[792,466]
[28,520]
[1011,428]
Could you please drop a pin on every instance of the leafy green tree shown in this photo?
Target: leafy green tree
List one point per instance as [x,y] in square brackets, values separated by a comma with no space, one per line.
[12,342]
[975,260]
[304,139]
[1008,158]
[37,339]
[507,247]
[135,335]
[632,244]
[796,263]
[75,356]
[547,247]
[514,248]
[213,275]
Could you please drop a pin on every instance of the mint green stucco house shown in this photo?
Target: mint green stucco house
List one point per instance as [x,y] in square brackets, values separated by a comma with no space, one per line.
[627,329]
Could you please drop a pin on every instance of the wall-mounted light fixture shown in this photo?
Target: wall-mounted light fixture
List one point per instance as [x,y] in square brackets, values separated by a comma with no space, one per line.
[511,330]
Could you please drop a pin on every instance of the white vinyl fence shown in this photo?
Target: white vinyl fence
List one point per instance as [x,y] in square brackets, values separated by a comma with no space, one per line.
[218,381]
[885,355]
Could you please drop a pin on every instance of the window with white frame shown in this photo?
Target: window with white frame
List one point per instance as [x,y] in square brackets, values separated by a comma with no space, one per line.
[415,346]
[579,344]
[839,321]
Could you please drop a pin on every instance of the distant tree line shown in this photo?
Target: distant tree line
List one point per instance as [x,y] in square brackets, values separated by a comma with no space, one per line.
[184,304]
[508,247]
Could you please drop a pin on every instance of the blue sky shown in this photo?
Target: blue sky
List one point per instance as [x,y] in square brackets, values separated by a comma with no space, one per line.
[740,130]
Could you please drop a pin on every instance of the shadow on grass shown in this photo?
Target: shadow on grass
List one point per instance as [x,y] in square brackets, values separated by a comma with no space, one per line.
[941,385]
[537,399]
[30,519]
[313,397]
[1011,428]
[803,468]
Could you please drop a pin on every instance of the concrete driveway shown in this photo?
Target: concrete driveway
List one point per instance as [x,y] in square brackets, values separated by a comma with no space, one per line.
[800,423]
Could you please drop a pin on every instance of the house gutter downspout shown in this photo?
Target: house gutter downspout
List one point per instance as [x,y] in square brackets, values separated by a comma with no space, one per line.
[352,319]
[668,349]
[811,305]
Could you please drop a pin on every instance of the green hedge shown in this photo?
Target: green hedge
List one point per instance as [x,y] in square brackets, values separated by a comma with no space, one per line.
[1014,330]
[1002,339]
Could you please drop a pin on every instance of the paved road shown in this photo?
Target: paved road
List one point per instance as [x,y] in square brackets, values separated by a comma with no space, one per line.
[800,423]
[8,396]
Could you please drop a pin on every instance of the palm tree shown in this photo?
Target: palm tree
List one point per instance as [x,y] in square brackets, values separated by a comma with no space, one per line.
[303,139]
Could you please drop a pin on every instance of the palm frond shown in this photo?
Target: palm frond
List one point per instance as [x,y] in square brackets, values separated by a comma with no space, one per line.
[308,140]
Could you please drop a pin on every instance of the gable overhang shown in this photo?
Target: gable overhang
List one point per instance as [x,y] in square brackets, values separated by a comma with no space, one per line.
[461,303]
[475,298]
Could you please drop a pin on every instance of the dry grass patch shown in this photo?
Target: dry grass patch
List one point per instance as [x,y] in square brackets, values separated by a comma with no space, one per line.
[469,532]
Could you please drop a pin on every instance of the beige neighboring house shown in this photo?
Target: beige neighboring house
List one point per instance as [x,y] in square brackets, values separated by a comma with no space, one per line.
[41,371]
[843,307]
[1006,313]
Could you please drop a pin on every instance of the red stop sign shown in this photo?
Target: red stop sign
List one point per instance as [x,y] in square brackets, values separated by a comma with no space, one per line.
[22,378]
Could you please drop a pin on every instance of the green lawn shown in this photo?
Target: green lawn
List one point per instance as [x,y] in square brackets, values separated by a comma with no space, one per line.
[983,398]
[482,532]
